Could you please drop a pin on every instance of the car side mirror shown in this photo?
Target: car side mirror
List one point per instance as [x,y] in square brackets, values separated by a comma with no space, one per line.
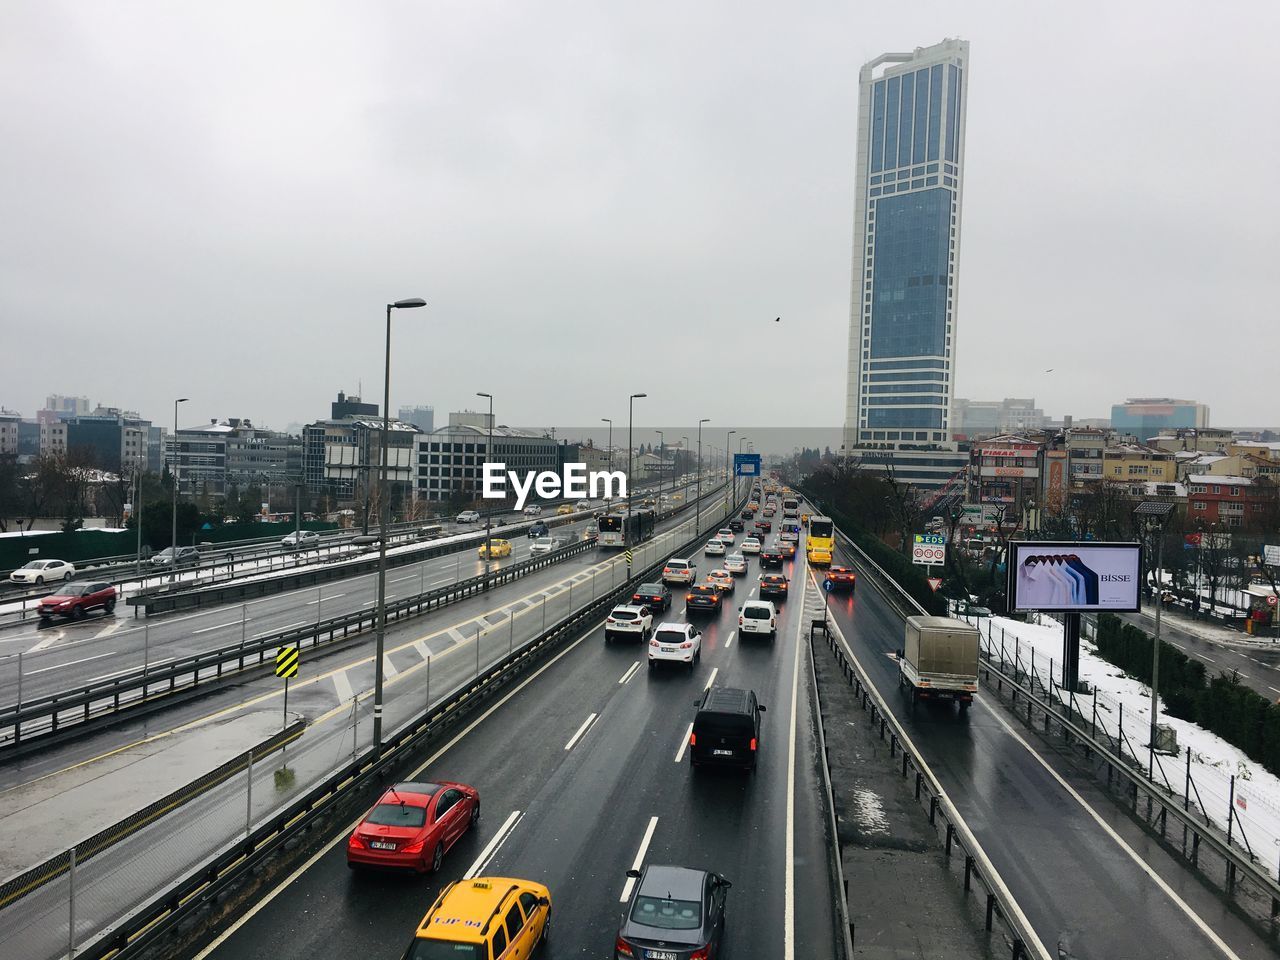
[722,882]
[544,901]
[633,874]
[900,653]
[762,707]
[697,701]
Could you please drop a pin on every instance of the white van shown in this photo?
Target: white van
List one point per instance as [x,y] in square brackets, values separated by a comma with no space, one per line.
[758,616]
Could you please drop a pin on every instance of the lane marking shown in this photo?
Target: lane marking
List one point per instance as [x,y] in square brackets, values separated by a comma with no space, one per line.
[54,637]
[421,647]
[684,742]
[752,593]
[1121,843]
[1203,657]
[789,880]
[491,848]
[287,626]
[116,673]
[729,643]
[631,672]
[412,576]
[644,848]
[71,663]
[581,730]
[312,603]
[711,679]
[388,668]
[1273,689]
[342,686]
[220,626]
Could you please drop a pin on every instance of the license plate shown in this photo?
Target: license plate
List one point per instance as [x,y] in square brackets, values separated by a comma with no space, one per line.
[669,649]
[381,845]
[659,955]
[722,753]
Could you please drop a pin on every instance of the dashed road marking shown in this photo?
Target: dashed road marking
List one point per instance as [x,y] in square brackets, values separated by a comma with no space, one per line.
[644,848]
[342,686]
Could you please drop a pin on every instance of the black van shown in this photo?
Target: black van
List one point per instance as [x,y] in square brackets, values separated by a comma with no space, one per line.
[726,729]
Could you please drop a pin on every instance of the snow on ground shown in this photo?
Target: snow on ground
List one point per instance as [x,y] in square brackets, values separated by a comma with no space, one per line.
[26,533]
[1213,760]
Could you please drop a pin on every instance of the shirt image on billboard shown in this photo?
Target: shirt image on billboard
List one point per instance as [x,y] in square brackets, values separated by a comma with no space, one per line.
[1058,576]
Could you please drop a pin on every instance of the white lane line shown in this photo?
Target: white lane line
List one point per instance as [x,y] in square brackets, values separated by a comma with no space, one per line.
[1203,657]
[221,626]
[70,663]
[108,630]
[492,847]
[287,626]
[440,581]
[421,647]
[342,836]
[53,637]
[684,742]
[631,672]
[581,730]
[644,848]
[1273,689]
[412,576]
[458,635]
[388,668]
[711,679]
[312,603]
[729,643]
[1176,644]
[1120,842]
[752,593]
[116,673]
[789,858]
[342,686]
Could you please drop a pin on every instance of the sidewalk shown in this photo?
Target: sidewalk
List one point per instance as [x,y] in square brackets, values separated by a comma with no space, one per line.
[1206,630]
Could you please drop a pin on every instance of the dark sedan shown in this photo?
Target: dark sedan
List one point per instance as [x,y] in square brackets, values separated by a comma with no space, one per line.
[736,525]
[705,596]
[675,913]
[773,585]
[655,596]
[771,557]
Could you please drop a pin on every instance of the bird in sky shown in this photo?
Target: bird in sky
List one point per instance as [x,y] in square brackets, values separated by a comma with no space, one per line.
[1050,370]
[777,319]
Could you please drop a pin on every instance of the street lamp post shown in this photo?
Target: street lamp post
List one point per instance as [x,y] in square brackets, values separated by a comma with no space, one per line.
[610,446]
[662,455]
[488,514]
[173,479]
[727,464]
[631,403]
[1156,511]
[384,514]
[697,523]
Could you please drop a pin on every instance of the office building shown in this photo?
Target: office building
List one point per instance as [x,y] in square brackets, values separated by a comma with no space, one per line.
[9,431]
[220,457]
[1147,417]
[908,193]
[424,418]
[351,406]
[975,419]
[450,461]
[67,406]
[108,438]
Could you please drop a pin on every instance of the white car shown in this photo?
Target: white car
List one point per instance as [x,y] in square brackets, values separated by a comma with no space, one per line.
[628,620]
[546,545]
[726,536]
[468,516]
[735,563]
[751,545]
[534,511]
[675,643]
[722,579]
[582,505]
[714,548]
[300,539]
[43,571]
[758,616]
[676,570]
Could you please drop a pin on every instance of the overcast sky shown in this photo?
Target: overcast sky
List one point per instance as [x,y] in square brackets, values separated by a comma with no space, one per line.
[217,201]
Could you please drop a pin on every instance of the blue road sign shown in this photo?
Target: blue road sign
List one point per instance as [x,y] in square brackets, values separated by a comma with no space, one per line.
[746,464]
[826,585]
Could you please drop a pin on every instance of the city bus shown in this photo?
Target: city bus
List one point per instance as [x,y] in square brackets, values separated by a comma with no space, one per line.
[820,544]
[619,530]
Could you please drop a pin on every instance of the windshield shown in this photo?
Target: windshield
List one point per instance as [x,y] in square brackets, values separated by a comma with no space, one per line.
[444,950]
[542,542]
[755,612]
[74,590]
[166,552]
[667,914]
[650,588]
[397,815]
[621,613]
[819,528]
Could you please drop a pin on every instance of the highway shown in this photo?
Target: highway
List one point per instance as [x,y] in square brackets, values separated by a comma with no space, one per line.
[1093,883]
[1257,663]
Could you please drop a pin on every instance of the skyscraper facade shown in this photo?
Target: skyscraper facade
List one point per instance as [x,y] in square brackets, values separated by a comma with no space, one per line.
[910,174]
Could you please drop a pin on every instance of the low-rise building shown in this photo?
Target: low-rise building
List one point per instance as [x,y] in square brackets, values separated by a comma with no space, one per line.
[1130,462]
[9,430]
[449,462]
[1005,473]
[215,458]
[1231,501]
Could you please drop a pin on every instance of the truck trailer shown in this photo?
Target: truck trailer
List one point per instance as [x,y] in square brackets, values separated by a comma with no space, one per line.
[939,660]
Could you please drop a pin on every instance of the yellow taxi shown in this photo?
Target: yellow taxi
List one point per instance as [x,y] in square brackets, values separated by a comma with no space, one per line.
[564,510]
[501,548]
[804,520]
[677,498]
[488,918]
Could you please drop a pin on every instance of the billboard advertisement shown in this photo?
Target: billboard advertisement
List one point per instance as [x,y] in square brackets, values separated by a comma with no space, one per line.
[1071,577]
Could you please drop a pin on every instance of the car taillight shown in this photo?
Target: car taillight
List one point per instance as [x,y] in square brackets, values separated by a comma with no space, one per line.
[654,643]
[356,840]
[693,739]
[415,847]
[702,953]
[753,743]
[623,948]
[635,596]
[739,621]
[688,596]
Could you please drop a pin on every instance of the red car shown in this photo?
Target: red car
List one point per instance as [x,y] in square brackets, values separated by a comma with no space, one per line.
[74,600]
[413,825]
[763,526]
[841,578]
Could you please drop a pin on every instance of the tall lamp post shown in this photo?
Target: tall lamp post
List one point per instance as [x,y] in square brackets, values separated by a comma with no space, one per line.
[697,523]
[727,465]
[741,441]
[631,405]
[662,455]
[1155,512]
[684,448]
[488,514]
[173,479]
[610,444]
[384,513]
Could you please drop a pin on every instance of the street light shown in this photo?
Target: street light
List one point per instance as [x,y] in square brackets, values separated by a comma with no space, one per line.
[741,441]
[631,404]
[697,523]
[662,455]
[488,514]
[1155,512]
[727,474]
[610,445]
[385,520]
[173,543]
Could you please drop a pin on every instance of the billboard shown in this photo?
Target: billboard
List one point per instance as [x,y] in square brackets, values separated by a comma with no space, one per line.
[1074,577]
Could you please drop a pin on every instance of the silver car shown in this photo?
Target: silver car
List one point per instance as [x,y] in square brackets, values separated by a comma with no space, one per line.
[546,545]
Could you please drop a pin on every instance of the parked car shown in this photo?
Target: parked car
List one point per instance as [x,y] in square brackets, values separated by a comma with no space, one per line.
[675,913]
[74,600]
[413,825]
[628,620]
[468,516]
[675,643]
[185,556]
[43,571]
[300,540]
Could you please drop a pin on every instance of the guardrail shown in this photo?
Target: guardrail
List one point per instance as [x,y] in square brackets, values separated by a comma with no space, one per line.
[170,921]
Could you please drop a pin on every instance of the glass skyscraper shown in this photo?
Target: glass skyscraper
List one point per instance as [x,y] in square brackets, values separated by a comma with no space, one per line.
[910,174]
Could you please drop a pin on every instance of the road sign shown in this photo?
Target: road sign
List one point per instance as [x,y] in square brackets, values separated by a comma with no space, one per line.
[935,582]
[826,585]
[928,549]
[627,554]
[1271,555]
[746,464]
[287,662]
[1271,600]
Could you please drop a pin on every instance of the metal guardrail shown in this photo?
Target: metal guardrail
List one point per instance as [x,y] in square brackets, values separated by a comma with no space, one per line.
[211,889]
[35,877]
